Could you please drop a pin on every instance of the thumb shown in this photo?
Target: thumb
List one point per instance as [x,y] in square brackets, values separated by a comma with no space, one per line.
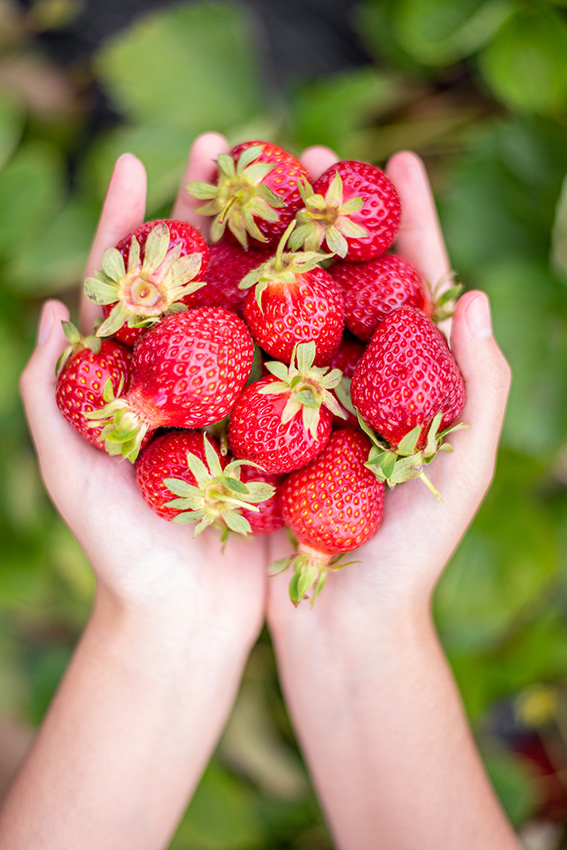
[487,381]
[37,384]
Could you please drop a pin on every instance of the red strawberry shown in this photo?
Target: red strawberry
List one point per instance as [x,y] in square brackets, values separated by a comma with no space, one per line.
[268,518]
[352,210]
[333,505]
[228,264]
[294,301]
[374,289]
[345,359]
[408,387]
[284,420]
[209,491]
[257,193]
[187,372]
[84,369]
[146,276]
[166,457]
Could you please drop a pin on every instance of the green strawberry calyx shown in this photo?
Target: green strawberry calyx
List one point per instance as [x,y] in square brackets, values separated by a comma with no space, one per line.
[406,463]
[219,494]
[308,387]
[143,292]
[122,429]
[283,268]
[444,293]
[77,342]
[239,197]
[310,567]
[327,219]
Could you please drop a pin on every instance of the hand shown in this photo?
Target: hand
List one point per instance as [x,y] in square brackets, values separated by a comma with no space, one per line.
[369,692]
[400,566]
[139,558]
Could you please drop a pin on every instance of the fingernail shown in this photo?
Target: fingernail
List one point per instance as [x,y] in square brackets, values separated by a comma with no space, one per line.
[478,317]
[45,324]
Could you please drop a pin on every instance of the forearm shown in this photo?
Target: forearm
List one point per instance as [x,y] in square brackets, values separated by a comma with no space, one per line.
[128,734]
[383,731]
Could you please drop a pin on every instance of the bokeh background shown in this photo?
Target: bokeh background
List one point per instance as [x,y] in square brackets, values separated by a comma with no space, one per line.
[479,89]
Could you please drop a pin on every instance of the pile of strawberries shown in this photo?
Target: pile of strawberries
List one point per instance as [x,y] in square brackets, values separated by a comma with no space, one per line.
[226,374]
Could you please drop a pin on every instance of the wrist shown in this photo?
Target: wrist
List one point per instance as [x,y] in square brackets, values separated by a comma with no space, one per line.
[178,626]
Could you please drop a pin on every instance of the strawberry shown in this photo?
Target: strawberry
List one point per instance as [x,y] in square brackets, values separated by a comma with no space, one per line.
[374,289]
[146,276]
[187,372]
[228,264]
[83,369]
[256,195]
[166,457]
[407,387]
[352,210]
[332,505]
[268,518]
[284,420]
[345,359]
[210,491]
[294,301]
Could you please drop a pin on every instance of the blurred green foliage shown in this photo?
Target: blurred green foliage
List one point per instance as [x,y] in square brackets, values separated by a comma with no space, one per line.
[479,89]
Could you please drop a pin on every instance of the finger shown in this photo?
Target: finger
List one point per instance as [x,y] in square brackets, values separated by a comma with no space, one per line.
[317,159]
[487,381]
[37,384]
[123,210]
[419,239]
[201,165]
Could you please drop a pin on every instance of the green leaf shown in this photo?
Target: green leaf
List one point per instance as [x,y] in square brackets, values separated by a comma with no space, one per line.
[11,125]
[514,783]
[525,62]
[215,82]
[559,234]
[240,826]
[54,259]
[439,32]
[504,564]
[353,98]
[31,191]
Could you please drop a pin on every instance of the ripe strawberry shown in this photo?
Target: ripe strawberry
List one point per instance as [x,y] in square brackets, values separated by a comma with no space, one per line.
[83,369]
[333,505]
[374,289]
[294,301]
[345,359]
[228,264]
[284,420]
[187,372]
[256,195]
[146,276]
[408,387]
[166,457]
[268,518]
[210,491]
[352,210]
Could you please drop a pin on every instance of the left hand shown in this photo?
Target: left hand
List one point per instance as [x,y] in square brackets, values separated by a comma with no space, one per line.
[139,559]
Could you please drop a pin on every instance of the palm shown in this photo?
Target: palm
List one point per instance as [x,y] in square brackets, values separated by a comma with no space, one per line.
[135,554]
[418,533]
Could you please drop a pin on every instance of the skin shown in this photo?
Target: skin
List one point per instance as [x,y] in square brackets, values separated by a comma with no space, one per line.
[151,683]
[155,673]
[370,694]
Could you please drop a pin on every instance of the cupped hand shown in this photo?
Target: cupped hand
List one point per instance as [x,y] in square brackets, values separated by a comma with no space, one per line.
[400,566]
[139,558]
